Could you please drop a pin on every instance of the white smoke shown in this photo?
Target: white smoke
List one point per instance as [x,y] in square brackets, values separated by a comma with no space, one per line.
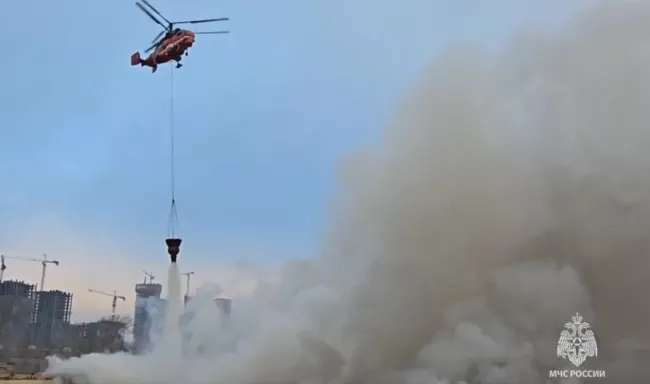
[511,192]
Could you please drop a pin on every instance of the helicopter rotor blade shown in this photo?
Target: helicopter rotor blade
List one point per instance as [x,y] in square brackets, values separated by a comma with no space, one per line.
[202,21]
[150,48]
[211,33]
[156,11]
[157,37]
[143,9]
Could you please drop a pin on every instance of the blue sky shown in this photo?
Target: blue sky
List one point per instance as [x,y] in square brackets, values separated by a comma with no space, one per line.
[263,115]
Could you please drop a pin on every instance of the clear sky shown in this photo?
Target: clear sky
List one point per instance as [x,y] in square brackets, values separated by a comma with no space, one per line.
[263,115]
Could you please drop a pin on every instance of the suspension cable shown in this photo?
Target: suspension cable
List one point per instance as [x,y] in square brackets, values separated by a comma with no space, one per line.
[173,215]
[171,134]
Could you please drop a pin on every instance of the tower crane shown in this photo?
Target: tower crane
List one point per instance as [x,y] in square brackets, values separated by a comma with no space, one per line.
[43,262]
[187,289]
[151,277]
[113,295]
[2,267]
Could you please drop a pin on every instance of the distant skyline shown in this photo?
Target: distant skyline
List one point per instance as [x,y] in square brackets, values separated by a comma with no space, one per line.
[263,116]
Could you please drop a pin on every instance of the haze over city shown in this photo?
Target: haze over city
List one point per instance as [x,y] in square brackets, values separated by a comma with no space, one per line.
[264,116]
[390,193]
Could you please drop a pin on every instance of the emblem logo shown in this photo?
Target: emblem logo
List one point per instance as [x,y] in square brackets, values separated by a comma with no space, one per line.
[577,341]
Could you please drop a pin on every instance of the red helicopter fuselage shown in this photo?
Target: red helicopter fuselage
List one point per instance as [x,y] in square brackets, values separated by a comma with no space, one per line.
[171,48]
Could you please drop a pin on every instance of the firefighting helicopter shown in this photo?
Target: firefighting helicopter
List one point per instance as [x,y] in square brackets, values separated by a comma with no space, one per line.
[171,43]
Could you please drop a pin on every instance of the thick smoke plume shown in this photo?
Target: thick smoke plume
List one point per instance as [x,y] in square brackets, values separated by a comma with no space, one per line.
[511,191]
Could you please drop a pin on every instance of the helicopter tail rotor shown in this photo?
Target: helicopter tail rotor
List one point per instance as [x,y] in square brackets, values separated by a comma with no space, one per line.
[136,59]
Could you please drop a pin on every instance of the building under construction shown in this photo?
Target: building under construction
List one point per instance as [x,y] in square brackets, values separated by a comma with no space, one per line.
[52,315]
[17,303]
[224,305]
[96,337]
[147,297]
[15,288]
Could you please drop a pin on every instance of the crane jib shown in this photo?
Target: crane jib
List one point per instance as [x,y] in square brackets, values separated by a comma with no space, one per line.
[44,262]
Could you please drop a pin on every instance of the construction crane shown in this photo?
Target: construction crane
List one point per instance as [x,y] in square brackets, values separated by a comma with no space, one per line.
[113,295]
[151,277]
[2,267]
[43,262]
[187,290]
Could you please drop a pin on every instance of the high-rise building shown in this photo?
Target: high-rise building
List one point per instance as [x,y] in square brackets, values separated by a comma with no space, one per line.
[16,313]
[146,295]
[224,305]
[52,315]
[53,306]
[17,289]
[103,335]
[188,316]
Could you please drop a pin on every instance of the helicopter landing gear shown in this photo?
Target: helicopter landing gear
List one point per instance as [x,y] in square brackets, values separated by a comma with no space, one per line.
[178,61]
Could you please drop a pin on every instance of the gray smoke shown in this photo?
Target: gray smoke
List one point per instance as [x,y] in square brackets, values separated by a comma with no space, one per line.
[511,191]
